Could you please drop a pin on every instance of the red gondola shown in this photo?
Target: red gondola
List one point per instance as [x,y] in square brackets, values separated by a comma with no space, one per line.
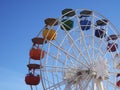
[112,47]
[118,83]
[31,79]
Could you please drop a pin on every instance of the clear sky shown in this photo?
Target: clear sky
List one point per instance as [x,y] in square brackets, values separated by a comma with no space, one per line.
[21,20]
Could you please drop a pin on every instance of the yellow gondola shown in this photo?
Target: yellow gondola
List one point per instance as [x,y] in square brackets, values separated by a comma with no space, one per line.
[49,34]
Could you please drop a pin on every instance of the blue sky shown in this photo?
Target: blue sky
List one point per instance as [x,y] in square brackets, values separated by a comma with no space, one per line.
[21,20]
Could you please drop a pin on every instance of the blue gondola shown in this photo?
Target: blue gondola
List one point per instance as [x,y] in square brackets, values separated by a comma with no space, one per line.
[100,33]
[85,24]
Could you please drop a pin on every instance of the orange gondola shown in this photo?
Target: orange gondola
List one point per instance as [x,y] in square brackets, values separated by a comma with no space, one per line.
[36,53]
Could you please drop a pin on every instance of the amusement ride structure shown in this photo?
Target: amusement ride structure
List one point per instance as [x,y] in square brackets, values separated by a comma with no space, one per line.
[77,51]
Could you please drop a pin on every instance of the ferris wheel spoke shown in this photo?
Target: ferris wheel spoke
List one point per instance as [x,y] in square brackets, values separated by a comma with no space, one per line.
[55,58]
[77,83]
[59,67]
[70,48]
[62,61]
[107,51]
[55,86]
[84,42]
[87,84]
[113,84]
[68,87]
[83,84]
[99,48]
[82,81]
[55,68]
[69,54]
[77,48]
[72,42]
[68,59]
[99,51]
[93,40]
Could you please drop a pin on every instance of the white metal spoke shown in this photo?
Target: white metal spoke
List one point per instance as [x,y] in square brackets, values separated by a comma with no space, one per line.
[56,85]
[72,42]
[69,54]
[83,39]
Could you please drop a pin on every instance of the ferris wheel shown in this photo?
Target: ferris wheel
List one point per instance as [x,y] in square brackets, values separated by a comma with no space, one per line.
[77,51]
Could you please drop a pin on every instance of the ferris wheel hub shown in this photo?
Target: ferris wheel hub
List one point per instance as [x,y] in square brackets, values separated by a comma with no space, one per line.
[75,74]
[101,69]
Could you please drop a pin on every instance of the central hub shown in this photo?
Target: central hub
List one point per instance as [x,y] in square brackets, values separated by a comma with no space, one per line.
[75,74]
[101,69]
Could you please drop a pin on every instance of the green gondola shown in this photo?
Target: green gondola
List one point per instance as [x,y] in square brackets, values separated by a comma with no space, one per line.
[67,24]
